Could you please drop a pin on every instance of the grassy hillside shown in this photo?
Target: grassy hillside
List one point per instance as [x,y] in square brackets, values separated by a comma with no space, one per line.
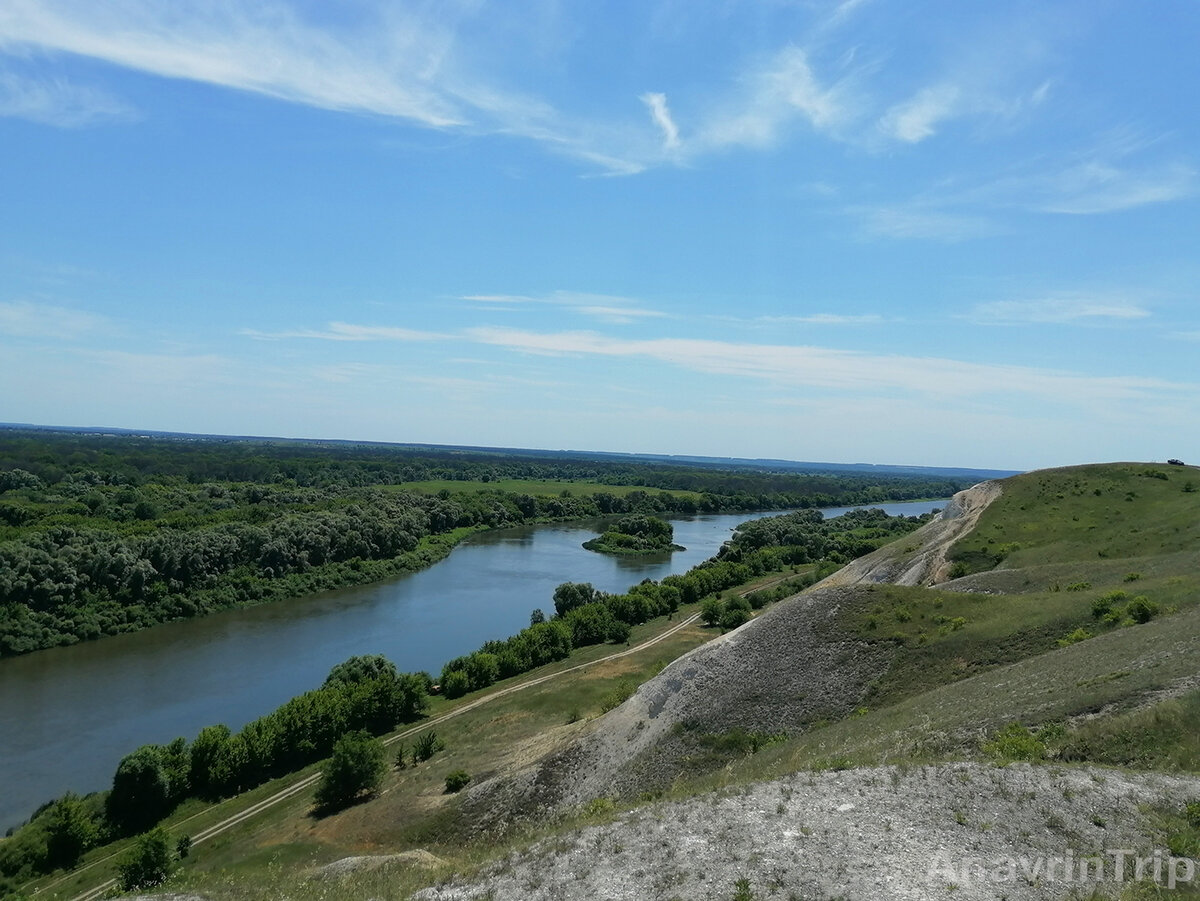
[1051,633]
[1087,515]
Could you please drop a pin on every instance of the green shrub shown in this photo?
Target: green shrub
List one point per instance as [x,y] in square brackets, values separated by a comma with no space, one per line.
[618,696]
[456,684]
[599,807]
[734,617]
[426,745]
[1015,742]
[1080,634]
[1191,813]
[457,781]
[148,862]
[1141,609]
[70,831]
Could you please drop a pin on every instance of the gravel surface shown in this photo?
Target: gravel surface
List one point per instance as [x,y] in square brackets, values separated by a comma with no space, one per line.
[963,831]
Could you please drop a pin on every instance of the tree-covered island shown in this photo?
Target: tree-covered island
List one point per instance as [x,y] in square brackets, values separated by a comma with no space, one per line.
[636,535]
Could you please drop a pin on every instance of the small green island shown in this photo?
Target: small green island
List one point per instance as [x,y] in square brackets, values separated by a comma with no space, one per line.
[636,535]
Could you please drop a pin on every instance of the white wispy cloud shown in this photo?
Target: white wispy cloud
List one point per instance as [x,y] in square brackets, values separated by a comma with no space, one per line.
[345,331]
[923,221]
[156,369]
[916,118]
[1056,310]
[264,48]
[27,319]
[661,114]
[1102,179]
[604,307]
[825,319]
[391,61]
[1099,186]
[59,102]
[772,97]
[820,367]
[1114,172]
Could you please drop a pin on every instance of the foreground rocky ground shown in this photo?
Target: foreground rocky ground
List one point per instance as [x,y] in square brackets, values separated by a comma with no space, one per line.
[953,831]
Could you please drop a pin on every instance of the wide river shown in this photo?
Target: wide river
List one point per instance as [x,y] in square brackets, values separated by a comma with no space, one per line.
[68,715]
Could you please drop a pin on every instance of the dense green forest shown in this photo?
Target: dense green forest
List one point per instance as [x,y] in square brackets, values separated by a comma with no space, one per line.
[102,534]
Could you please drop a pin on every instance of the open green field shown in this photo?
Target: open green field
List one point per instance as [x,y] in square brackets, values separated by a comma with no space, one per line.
[536,487]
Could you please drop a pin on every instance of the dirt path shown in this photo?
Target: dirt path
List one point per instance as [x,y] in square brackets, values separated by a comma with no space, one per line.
[297,787]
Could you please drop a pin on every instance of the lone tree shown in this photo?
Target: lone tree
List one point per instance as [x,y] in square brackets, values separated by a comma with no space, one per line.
[356,767]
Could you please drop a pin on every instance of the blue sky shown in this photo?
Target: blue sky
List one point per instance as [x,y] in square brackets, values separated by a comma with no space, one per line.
[900,232]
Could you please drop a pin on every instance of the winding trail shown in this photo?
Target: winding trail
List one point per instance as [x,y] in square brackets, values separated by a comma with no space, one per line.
[308,781]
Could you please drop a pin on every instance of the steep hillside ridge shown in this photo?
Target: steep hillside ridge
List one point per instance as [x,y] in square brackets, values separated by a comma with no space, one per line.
[921,559]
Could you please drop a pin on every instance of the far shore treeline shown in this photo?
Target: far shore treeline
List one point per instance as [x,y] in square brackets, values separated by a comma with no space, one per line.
[369,692]
[102,534]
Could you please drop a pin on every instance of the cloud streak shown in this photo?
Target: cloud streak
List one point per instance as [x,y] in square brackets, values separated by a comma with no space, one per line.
[604,307]
[1057,310]
[264,49]
[840,370]
[783,90]
[25,319]
[344,331]
[916,119]
[59,102]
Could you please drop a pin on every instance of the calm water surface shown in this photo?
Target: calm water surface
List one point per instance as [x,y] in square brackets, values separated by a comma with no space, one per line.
[68,715]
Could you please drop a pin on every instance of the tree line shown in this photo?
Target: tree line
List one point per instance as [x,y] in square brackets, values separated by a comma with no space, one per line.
[107,535]
[52,456]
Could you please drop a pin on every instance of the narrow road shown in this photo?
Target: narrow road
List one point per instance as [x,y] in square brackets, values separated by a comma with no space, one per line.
[308,781]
